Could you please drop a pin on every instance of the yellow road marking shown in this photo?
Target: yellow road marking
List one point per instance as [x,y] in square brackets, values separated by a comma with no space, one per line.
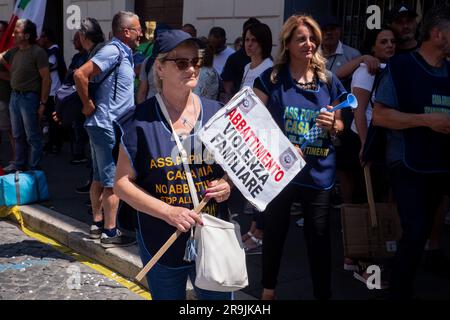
[15,214]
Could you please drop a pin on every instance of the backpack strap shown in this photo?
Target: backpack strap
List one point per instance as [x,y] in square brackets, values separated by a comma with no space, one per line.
[114,68]
[376,84]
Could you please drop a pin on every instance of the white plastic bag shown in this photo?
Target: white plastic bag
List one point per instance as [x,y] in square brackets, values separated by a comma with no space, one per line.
[220,262]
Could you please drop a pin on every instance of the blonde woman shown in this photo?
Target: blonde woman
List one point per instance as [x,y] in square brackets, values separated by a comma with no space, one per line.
[150,176]
[294,91]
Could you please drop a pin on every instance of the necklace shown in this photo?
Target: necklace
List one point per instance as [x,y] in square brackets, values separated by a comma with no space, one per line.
[185,121]
[312,85]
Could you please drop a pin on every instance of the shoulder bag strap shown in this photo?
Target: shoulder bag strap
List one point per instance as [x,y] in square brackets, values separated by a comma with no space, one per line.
[183,153]
[114,68]
[376,83]
[17,183]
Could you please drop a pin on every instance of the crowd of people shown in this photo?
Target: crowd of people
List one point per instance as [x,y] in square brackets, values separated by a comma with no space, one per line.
[141,91]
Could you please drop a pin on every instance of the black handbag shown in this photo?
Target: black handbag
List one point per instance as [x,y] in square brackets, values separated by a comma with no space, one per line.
[68,104]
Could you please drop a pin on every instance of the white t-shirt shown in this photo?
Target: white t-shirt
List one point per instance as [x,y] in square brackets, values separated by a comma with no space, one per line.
[56,83]
[221,58]
[250,75]
[364,80]
[144,76]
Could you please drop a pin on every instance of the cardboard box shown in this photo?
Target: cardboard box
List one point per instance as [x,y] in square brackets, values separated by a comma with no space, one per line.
[361,239]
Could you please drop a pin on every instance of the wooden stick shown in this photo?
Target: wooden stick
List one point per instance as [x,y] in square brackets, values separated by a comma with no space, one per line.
[370,199]
[167,245]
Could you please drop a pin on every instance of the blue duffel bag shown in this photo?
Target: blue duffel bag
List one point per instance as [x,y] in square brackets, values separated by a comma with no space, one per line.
[23,188]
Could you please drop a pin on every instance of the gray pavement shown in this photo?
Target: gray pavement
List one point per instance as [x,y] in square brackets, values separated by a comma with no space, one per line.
[30,270]
[294,279]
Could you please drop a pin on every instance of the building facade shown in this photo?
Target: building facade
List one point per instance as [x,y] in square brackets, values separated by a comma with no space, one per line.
[205,14]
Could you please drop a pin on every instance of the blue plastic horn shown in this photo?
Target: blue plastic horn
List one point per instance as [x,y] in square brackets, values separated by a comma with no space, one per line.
[351,102]
[315,132]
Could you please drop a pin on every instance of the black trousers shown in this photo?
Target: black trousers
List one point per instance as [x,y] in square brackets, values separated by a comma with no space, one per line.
[316,209]
[80,137]
[55,131]
[418,196]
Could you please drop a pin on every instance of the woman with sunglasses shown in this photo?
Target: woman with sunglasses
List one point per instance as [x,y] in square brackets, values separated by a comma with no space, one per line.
[295,90]
[150,175]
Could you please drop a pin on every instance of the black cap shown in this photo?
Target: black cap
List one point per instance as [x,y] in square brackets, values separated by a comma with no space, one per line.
[170,39]
[399,10]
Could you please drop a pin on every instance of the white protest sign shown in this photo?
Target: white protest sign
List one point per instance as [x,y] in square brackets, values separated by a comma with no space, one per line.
[251,148]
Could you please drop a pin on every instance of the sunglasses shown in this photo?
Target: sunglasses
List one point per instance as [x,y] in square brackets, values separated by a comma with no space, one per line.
[184,63]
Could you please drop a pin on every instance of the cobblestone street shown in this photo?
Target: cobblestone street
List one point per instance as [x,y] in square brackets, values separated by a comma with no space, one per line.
[30,270]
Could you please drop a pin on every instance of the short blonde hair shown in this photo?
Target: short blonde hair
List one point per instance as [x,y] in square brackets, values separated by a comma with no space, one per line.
[158,81]
[160,58]
[318,62]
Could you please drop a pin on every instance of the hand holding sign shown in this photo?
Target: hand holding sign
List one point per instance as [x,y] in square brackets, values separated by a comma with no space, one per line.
[248,144]
[257,157]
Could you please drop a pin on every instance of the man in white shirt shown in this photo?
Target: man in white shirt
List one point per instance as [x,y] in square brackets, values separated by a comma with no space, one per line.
[217,38]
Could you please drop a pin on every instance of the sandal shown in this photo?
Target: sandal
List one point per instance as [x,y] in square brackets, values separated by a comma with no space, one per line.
[246,236]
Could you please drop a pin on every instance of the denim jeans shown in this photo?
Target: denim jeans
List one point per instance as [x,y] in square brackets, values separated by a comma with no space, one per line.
[23,109]
[102,144]
[168,283]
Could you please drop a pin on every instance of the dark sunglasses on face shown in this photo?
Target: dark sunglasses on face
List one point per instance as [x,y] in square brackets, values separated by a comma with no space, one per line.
[184,63]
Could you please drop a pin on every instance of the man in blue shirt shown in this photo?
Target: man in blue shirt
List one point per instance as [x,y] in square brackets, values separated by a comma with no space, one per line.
[413,102]
[113,96]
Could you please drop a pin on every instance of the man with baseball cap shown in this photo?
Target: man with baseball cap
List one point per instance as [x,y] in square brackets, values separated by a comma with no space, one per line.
[413,103]
[402,19]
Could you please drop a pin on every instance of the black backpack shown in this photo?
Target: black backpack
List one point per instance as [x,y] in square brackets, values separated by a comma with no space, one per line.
[68,104]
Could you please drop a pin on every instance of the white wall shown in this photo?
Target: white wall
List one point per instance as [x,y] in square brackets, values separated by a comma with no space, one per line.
[6,9]
[231,14]
[102,10]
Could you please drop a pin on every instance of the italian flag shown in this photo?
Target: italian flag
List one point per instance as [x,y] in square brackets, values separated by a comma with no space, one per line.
[33,10]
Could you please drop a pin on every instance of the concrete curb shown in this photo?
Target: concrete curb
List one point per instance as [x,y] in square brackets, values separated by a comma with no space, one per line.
[74,234]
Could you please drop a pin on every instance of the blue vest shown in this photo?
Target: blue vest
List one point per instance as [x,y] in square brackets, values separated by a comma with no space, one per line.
[418,92]
[148,140]
[295,111]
